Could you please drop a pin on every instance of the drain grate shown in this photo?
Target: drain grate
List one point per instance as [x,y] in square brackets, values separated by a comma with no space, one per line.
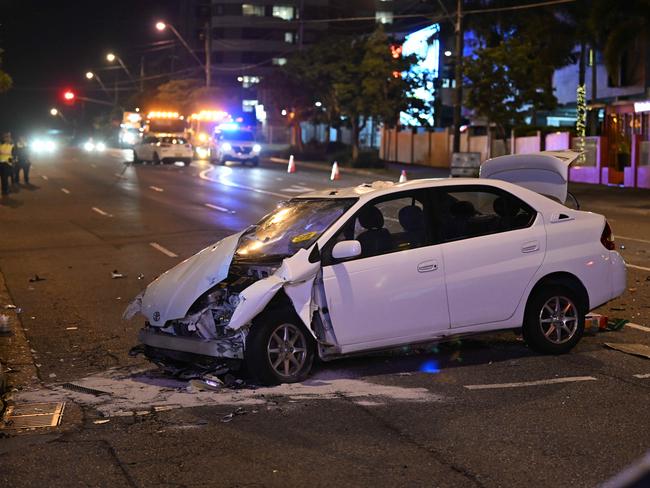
[84,389]
[32,416]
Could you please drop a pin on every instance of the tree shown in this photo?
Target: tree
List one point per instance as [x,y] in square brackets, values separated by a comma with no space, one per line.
[186,95]
[5,80]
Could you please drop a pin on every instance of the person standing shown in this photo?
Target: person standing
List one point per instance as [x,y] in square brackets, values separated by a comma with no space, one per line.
[21,160]
[6,162]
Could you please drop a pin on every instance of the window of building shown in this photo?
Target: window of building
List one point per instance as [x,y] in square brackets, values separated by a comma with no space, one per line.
[254,10]
[279,61]
[248,105]
[285,12]
[384,17]
[289,37]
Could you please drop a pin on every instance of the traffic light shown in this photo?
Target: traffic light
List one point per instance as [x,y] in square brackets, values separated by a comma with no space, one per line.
[68,96]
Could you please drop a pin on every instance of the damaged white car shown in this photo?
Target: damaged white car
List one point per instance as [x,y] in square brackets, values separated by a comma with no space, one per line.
[344,271]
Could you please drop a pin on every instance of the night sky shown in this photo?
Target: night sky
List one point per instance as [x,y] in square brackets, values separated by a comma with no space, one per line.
[50,44]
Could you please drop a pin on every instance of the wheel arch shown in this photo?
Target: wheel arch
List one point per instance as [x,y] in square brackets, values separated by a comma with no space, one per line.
[282,301]
[563,278]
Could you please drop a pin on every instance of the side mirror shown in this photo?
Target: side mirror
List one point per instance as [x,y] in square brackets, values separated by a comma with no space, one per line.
[346,250]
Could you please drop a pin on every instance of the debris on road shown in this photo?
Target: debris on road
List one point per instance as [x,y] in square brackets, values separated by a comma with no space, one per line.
[10,307]
[141,276]
[616,324]
[36,278]
[231,415]
[5,328]
[634,349]
[204,385]
[101,421]
[71,328]
[116,274]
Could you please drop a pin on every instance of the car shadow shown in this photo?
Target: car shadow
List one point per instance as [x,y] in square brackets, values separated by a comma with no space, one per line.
[10,202]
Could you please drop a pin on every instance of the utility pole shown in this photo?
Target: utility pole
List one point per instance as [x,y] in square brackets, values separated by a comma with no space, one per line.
[208,52]
[301,23]
[141,73]
[458,98]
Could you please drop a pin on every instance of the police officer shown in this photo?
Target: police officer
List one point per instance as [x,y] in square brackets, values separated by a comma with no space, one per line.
[21,160]
[6,162]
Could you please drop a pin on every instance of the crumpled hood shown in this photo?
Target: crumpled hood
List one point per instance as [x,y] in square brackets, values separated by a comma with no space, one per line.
[172,294]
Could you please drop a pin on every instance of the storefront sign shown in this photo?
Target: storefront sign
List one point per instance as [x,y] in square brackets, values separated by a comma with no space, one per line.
[642,106]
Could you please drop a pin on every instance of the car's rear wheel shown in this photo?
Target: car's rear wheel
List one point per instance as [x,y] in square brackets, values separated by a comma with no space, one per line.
[255,162]
[554,320]
[279,349]
[156,158]
[136,159]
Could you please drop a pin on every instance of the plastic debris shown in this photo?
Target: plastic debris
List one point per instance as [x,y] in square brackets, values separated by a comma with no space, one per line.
[204,385]
[616,324]
[141,276]
[36,278]
[101,421]
[116,274]
[230,416]
[635,349]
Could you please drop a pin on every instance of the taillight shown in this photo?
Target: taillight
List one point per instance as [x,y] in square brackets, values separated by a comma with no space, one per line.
[607,239]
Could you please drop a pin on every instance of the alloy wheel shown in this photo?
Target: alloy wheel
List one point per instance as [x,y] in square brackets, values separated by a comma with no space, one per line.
[287,350]
[558,319]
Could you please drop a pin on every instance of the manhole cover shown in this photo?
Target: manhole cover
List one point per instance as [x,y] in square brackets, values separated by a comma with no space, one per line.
[32,415]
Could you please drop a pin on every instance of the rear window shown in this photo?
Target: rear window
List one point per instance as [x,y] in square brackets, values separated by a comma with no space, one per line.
[173,140]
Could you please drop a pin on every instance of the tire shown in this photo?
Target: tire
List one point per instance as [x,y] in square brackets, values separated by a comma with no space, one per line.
[264,348]
[136,159]
[156,158]
[223,161]
[187,162]
[554,321]
[255,162]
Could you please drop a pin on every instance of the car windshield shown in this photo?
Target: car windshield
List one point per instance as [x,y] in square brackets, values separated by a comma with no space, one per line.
[292,226]
[237,135]
[173,140]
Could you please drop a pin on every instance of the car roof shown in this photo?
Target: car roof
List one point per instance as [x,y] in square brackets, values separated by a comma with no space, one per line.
[368,191]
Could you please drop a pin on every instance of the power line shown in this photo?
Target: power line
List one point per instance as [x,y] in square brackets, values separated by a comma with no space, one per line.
[517,7]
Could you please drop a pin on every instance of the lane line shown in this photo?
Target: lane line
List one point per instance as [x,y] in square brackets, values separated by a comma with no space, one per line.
[634,266]
[44,177]
[552,381]
[642,376]
[204,176]
[101,212]
[66,191]
[220,209]
[120,175]
[163,250]
[93,165]
[631,239]
[156,188]
[637,327]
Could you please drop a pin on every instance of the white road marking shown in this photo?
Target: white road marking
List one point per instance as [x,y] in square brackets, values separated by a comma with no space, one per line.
[279,179]
[204,176]
[638,327]
[220,209]
[163,250]
[552,381]
[93,165]
[298,189]
[634,266]
[156,188]
[66,191]
[44,177]
[101,212]
[642,376]
[120,175]
[616,236]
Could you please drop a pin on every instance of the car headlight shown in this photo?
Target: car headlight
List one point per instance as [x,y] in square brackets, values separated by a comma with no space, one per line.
[226,146]
[100,146]
[38,145]
[89,146]
[202,153]
[203,137]
[257,148]
[129,138]
[50,146]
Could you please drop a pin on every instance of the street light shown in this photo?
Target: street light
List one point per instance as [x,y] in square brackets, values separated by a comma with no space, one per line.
[161,26]
[90,76]
[111,57]
[54,112]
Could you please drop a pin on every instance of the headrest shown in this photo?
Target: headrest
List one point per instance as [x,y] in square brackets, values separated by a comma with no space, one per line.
[411,218]
[462,209]
[371,218]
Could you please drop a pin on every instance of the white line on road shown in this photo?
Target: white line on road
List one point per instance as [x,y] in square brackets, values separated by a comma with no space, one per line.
[638,327]
[66,191]
[552,381]
[220,209]
[204,176]
[642,376]
[101,212]
[44,177]
[156,188]
[93,165]
[120,175]
[632,239]
[634,266]
[163,250]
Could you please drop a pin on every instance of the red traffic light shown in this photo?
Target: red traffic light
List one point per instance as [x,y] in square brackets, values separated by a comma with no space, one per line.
[68,95]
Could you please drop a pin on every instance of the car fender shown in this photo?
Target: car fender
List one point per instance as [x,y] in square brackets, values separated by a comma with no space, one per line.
[296,275]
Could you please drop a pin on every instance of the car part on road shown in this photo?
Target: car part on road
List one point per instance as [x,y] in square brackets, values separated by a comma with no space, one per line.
[84,389]
[116,274]
[640,350]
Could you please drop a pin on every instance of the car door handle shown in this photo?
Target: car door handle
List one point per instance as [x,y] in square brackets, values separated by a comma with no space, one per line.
[530,246]
[427,266]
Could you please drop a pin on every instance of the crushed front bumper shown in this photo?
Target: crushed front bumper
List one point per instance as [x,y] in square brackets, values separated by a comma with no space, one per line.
[228,347]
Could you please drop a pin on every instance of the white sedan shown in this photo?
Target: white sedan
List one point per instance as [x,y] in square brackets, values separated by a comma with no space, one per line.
[163,149]
[381,265]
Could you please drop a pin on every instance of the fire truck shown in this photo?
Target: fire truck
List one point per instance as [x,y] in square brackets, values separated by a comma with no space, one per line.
[201,130]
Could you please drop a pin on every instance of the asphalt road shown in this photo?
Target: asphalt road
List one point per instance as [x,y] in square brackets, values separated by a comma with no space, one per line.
[479,412]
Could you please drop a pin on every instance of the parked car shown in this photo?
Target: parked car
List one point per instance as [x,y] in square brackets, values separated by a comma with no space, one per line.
[345,271]
[237,145]
[163,149]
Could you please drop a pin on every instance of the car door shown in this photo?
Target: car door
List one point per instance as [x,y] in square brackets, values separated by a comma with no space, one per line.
[394,292]
[492,245]
[147,148]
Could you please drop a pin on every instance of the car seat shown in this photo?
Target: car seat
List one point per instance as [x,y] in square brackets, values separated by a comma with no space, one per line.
[411,218]
[375,239]
[461,213]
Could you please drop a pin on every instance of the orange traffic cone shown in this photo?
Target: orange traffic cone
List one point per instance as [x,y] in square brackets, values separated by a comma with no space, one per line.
[335,172]
[402,177]
[292,165]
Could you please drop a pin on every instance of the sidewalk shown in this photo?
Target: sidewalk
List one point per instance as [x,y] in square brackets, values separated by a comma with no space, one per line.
[16,363]
[392,171]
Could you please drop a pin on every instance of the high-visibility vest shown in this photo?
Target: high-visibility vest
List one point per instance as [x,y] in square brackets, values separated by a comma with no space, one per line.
[6,152]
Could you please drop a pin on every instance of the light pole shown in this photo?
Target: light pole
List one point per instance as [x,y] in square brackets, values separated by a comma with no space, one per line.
[112,57]
[94,76]
[161,26]
[55,112]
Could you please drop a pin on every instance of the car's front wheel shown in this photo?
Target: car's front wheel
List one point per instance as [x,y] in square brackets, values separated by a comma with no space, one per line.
[279,349]
[554,320]
[156,158]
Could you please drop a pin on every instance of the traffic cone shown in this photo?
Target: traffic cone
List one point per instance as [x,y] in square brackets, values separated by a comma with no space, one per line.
[402,177]
[292,165]
[335,172]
